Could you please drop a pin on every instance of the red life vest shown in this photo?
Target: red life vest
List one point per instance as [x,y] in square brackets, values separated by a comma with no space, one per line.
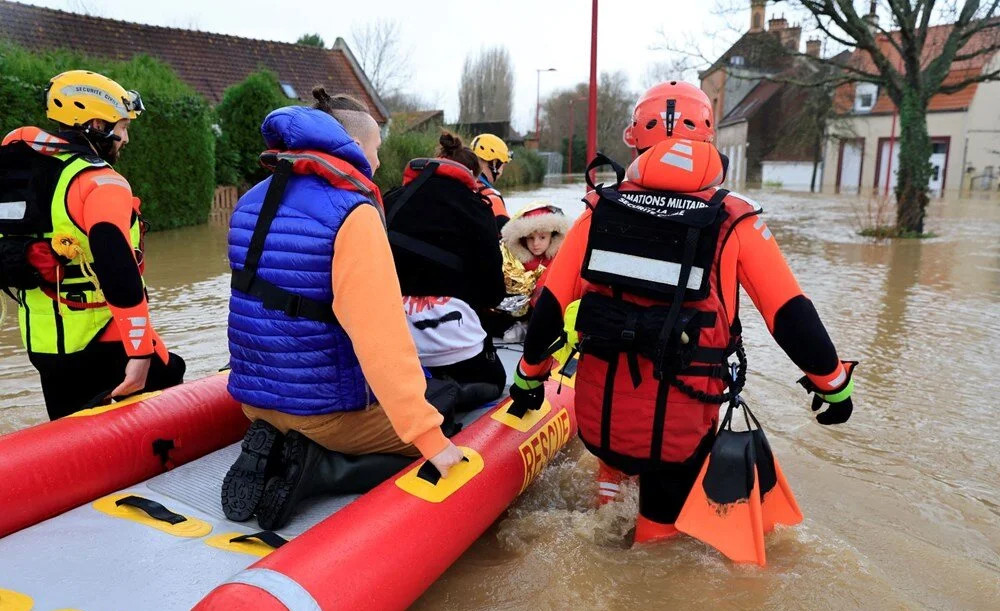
[644,395]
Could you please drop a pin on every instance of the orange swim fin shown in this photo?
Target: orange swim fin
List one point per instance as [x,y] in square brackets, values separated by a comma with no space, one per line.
[723,508]
[777,502]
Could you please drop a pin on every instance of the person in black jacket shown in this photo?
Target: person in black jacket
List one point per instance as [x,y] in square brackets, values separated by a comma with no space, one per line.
[443,237]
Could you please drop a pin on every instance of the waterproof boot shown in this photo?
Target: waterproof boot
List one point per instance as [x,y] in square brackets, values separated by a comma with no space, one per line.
[648,531]
[310,470]
[609,482]
[259,460]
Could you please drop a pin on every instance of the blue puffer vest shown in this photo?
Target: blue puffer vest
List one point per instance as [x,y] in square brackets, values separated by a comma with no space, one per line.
[296,365]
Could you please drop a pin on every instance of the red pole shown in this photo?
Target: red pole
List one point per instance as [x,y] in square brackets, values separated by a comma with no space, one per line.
[592,108]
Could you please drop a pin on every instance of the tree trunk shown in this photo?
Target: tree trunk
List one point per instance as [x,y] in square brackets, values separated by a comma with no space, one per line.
[914,164]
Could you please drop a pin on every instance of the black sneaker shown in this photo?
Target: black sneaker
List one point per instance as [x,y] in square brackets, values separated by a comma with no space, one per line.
[260,459]
[297,481]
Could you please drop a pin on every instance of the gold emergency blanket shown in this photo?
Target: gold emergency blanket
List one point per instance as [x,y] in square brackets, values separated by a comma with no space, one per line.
[519,282]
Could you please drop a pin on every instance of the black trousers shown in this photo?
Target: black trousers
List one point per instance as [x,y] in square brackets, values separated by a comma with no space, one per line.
[71,381]
[662,491]
[484,368]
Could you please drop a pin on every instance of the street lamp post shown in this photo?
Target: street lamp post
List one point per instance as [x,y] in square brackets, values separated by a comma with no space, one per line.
[538,101]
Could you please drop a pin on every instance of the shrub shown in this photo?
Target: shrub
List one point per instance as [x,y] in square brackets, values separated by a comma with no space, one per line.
[527,167]
[170,159]
[397,150]
[240,114]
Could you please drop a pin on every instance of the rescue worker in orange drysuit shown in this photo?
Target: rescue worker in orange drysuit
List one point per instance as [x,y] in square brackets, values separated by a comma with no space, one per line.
[654,267]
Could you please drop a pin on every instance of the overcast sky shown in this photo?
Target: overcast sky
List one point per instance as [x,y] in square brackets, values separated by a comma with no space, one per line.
[538,33]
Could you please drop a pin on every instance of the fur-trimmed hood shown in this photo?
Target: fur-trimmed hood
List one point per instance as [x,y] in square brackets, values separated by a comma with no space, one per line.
[536,216]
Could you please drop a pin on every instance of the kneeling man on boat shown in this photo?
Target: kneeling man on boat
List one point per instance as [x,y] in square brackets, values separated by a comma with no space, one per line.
[321,355]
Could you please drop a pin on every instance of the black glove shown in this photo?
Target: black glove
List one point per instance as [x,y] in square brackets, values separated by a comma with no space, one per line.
[527,393]
[839,399]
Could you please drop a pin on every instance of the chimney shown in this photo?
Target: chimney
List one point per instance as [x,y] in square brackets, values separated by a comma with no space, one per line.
[776,24]
[871,18]
[757,15]
[813,46]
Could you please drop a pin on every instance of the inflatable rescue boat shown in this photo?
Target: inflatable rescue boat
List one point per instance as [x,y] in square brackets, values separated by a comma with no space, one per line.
[118,507]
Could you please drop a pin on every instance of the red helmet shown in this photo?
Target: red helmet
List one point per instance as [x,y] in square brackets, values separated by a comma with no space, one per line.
[692,115]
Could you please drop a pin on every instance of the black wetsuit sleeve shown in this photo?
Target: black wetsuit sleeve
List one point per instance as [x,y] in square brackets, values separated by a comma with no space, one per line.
[115,266]
[544,329]
[801,334]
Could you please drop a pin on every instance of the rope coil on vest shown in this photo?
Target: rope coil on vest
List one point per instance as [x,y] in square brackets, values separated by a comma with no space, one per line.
[69,247]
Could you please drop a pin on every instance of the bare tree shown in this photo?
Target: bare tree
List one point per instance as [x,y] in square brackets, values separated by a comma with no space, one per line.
[399,101]
[486,92]
[910,60]
[615,100]
[377,45]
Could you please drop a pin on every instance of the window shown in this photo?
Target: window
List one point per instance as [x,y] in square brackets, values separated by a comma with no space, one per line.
[864,96]
[736,60]
[289,91]
[758,21]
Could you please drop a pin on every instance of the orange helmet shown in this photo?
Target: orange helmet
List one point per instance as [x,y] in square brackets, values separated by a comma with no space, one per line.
[652,122]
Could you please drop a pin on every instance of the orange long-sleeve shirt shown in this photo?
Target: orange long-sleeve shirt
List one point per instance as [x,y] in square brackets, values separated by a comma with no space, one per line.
[368,305]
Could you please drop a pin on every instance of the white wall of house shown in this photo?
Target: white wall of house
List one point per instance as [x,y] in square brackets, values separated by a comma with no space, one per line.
[872,128]
[731,140]
[982,145]
[791,175]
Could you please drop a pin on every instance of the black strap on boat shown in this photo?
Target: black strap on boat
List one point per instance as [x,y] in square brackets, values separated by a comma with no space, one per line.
[151,508]
[417,246]
[267,537]
[246,280]
[429,473]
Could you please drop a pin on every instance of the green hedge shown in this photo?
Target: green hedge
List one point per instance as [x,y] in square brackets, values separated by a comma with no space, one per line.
[527,168]
[240,115]
[170,159]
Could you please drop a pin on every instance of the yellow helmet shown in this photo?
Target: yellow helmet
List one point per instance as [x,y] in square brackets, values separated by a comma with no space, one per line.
[77,96]
[491,148]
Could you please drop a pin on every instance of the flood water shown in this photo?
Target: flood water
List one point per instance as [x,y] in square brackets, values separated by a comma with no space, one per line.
[902,503]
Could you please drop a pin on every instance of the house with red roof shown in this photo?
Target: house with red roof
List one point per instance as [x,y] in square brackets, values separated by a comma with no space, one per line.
[208,62]
[862,152]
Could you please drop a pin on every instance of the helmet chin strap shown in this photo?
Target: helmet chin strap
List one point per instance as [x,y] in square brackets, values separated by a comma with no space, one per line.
[101,141]
[494,167]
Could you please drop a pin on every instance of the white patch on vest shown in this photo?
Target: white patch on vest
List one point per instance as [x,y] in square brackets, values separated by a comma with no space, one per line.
[642,268]
[137,321]
[136,343]
[13,211]
[677,161]
[100,181]
[136,332]
[685,149]
[758,223]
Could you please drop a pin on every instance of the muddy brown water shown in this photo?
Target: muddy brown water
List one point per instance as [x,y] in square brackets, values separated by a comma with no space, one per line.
[902,503]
